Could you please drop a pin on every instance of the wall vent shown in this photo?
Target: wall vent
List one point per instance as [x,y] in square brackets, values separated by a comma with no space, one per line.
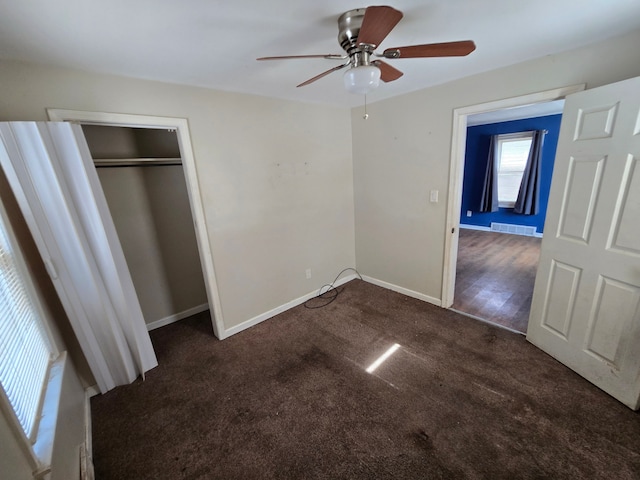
[513,229]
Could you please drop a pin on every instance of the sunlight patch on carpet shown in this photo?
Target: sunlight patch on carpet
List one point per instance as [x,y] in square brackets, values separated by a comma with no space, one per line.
[382,358]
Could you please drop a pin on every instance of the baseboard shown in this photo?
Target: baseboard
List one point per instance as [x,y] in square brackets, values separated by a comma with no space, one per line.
[404,291]
[282,308]
[177,316]
[488,229]
[86,450]
[475,227]
[298,301]
[92,391]
[86,464]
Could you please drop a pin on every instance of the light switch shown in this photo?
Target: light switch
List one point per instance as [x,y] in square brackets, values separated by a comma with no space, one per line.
[433,197]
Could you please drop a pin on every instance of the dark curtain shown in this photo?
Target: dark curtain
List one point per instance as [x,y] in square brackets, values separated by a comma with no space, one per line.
[489,199]
[528,201]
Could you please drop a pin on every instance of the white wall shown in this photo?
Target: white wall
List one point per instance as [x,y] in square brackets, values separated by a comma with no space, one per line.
[13,461]
[402,152]
[276,177]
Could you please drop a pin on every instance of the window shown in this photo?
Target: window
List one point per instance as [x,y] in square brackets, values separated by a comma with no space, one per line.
[513,152]
[26,351]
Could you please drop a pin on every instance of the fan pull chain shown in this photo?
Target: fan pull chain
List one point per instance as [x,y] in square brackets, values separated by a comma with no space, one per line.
[366,115]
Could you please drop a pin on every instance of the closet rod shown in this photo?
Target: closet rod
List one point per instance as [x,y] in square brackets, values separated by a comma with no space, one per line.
[135,162]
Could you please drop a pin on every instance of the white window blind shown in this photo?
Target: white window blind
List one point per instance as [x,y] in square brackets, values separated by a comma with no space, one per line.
[513,152]
[25,350]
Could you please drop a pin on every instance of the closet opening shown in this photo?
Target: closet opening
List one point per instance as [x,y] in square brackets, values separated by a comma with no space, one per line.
[140,170]
[146,164]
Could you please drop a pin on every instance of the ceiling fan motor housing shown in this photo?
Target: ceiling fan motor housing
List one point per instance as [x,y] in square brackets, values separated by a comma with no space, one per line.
[349,24]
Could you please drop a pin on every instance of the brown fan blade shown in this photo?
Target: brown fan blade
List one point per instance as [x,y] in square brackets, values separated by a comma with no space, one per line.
[448,49]
[323,74]
[377,23]
[331,56]
[387,72]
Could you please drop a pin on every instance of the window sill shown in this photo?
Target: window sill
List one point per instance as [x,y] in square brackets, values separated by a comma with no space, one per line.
[506,204]
[43,447]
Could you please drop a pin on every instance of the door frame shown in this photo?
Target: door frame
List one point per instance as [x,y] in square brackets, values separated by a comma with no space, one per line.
[181,127]
[456,172]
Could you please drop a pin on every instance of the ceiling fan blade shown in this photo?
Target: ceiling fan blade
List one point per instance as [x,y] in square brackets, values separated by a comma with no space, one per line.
[377,23]
[387,72]
[448,49]
[330,56]
[323,74]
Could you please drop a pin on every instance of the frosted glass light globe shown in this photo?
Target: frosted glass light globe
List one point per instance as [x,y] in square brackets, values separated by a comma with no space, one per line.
[362,79]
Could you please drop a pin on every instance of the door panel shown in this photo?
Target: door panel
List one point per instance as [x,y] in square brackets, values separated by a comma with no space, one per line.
[606,340]
[596,122]
[581,194]
[560,297]
[624,234]
[586,302]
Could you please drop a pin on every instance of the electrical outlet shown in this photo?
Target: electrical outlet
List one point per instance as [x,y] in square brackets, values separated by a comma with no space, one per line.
[433,196]
[308,273]
[469,213]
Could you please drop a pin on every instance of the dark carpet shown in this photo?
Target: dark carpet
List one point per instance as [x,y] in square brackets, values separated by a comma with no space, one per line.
[290,399]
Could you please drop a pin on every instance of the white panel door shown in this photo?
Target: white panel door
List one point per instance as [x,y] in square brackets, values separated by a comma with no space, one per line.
[586,301]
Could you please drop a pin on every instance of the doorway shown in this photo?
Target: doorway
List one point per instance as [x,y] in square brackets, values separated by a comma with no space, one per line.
[181,128]
[459,138]
[498,249]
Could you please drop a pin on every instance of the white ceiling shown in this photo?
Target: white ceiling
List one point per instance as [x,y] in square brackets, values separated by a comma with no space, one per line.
[214,43]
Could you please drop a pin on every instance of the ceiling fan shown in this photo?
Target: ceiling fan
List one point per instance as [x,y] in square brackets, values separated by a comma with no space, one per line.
[360,31]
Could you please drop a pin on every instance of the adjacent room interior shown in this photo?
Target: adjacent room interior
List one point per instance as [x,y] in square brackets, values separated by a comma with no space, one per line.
[233,277]
[499,248]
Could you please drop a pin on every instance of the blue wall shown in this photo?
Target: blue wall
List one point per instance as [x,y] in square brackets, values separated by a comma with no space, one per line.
[477,153]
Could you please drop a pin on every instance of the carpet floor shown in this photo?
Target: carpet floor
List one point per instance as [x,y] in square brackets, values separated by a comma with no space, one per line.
[291,399]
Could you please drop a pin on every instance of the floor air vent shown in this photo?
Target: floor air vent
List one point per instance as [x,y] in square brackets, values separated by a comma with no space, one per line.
[514,229]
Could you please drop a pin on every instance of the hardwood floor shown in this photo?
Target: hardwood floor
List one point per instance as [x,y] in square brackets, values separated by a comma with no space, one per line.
[495,276]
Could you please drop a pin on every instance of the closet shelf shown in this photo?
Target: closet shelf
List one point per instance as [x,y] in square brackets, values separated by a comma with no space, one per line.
[135,162]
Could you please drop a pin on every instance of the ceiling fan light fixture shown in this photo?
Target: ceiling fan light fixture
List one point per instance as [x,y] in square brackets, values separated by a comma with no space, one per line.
[362,79]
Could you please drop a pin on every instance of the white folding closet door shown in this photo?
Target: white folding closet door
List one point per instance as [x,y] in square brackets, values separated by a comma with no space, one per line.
[51,172]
